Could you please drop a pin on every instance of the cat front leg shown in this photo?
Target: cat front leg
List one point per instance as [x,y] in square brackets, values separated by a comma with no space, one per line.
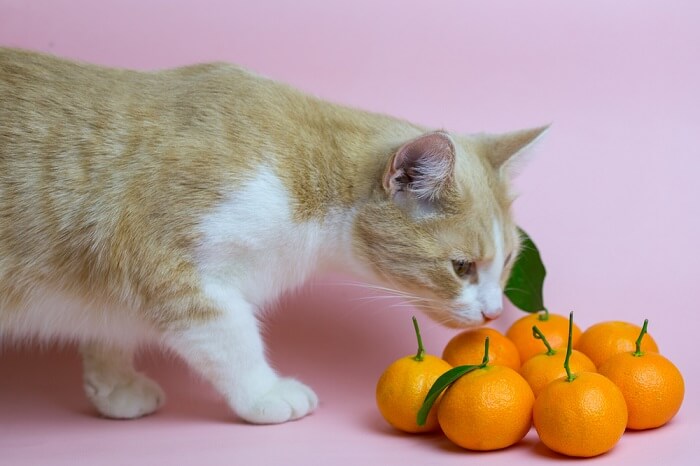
[114,387]
[227,349]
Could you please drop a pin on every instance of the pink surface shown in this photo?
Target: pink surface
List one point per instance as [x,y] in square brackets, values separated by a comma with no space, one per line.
[611,199]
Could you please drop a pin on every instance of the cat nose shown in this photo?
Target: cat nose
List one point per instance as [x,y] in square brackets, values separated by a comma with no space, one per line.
[490,314]
[492,303]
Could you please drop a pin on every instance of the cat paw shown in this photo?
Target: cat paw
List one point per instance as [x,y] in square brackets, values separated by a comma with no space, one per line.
[288,399]
[133,396]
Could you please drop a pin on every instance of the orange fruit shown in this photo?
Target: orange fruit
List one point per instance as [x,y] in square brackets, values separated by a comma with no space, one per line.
[606,339]
[403,386]
[487,409]
[556,327]
[652,385]
[543,368]
[468,348]
[583,417]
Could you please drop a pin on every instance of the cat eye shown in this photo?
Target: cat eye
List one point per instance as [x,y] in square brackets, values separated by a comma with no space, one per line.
[463,268]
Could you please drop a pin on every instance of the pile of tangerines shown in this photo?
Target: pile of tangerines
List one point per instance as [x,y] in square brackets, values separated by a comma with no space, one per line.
[488,388]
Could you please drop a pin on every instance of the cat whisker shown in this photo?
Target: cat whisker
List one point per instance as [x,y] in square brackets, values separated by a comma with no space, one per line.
[378,299]
[393,291]
[404,299]
[370,285]
[370,298]
[382,288]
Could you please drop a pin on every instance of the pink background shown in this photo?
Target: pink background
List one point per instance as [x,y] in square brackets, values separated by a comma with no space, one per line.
[611,199]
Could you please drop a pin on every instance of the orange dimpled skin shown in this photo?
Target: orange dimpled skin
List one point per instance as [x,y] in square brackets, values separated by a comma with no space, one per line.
[402,388]
[652,385]
[468,348]
[606,339]
[556,328]
[543,368]
[585,417]
[487,409]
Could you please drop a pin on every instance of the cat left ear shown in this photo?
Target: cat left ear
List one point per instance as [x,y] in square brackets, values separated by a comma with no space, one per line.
[420,171]
[508,152]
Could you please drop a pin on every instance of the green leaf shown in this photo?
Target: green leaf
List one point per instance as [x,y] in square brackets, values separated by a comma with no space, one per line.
[442,382]
[524,287]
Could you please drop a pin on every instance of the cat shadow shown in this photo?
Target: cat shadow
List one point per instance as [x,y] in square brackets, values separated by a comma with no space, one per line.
[46,382]
[321,334]
[44,379]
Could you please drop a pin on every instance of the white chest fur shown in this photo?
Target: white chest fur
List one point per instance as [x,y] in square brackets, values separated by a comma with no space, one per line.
[252,243]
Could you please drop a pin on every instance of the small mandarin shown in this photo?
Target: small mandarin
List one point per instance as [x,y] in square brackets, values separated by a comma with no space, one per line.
[584,416]
[579,414]
[554,326]
[404,385]
[467,348]
[606,339]
[652,385]
[547,366]
[487,409]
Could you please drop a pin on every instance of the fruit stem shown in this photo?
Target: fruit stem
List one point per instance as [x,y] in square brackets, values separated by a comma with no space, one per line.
[543,315]
[485,361]
[638,352]
[421,351]
[538,335]
[569,348]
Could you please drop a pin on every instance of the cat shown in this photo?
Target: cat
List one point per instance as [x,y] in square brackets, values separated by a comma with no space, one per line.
[172,206]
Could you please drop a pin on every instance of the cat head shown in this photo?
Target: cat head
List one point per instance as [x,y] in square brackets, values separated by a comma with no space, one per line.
[439,227]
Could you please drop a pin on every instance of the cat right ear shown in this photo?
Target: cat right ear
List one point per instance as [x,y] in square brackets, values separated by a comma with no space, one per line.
[509,152]
[420,171]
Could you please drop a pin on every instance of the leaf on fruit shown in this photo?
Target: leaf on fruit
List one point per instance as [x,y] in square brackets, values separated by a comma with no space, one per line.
[442,382]
[524,287]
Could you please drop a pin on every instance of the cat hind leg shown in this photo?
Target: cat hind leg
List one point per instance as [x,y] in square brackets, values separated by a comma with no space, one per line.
[114,386]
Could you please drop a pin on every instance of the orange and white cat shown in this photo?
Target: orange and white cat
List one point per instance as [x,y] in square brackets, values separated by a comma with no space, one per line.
[172,206]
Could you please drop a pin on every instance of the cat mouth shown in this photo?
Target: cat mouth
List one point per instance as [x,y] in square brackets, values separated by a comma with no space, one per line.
[457,321]
[459,317]
[464,321]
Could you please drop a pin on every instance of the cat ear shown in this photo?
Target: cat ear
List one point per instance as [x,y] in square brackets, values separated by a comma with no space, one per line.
[508,152]
[420,170]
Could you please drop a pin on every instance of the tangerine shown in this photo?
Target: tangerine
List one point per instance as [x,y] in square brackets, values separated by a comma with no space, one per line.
[606,339]
[585,416]
[652,385]
[580,414]
[547,366]
[404,385]
[554,326]
[466,348]
[487,409]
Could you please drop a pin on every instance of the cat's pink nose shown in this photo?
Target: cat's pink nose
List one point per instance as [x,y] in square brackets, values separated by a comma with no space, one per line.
[490,314]
[491,302]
